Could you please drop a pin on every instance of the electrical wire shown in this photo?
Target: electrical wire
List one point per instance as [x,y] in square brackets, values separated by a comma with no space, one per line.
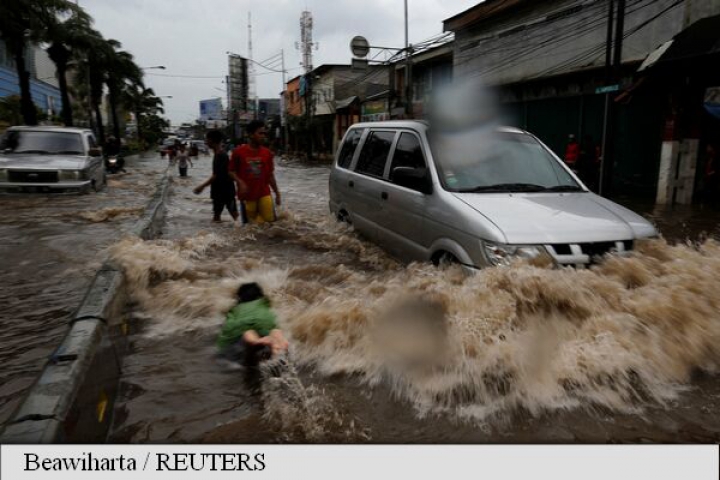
[563,39]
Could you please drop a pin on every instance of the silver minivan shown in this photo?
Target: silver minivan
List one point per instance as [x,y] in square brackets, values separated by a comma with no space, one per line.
[480,197]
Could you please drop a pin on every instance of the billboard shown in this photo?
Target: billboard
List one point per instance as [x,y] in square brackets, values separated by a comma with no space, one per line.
[211,109]
[237,83]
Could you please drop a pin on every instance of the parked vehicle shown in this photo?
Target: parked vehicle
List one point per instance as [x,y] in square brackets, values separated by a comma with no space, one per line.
[477,198]
[50,159]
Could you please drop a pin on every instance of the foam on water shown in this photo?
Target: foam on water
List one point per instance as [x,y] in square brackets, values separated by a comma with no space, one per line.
[623,335]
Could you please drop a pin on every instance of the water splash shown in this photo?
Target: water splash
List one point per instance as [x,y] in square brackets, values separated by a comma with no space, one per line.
[623,335]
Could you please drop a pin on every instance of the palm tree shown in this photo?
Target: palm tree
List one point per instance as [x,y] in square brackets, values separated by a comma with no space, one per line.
[142,101]
[124,74]
[66,38]
[20,21]
[94,70]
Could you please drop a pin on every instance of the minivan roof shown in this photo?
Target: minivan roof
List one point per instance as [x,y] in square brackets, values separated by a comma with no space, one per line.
[419,125]
[40,128]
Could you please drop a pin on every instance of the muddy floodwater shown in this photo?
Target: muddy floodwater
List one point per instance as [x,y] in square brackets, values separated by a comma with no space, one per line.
[386,352]
[51,245]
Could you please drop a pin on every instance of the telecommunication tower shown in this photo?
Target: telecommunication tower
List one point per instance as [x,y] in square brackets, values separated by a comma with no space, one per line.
[306,40]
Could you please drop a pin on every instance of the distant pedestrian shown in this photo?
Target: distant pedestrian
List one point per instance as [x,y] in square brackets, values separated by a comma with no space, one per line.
[253,165]
[183,158]
[222,186]
[572,152]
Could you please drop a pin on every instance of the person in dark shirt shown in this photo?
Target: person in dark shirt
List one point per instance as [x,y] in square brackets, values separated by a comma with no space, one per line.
[222,183]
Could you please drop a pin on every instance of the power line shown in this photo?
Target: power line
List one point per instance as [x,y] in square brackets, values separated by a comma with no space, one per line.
[182,76]
[587,26]
[601,45]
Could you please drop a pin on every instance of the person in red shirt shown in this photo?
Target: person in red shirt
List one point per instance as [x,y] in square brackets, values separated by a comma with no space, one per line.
[572,152]
[252,164]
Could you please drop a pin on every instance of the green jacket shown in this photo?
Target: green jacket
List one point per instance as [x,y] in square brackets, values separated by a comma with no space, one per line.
[255,315]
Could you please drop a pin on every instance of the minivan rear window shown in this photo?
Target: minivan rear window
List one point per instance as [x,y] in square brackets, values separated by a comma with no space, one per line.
[348,148]
[375,153]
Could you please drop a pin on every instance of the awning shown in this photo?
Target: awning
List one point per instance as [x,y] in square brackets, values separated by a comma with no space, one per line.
[702,38]
[345,102]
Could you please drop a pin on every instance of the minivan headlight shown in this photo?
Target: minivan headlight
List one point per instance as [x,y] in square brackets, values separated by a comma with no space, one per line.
[69,175]
[502,255]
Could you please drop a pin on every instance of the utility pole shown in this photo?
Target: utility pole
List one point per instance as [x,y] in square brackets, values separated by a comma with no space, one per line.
[408,69]
[283,119]
[613,75]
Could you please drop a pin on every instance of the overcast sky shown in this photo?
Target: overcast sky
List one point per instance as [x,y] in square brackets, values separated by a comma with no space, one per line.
[191,37]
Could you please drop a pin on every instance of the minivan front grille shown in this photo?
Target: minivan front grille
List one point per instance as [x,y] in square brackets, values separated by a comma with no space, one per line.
[584,253]
[32,176]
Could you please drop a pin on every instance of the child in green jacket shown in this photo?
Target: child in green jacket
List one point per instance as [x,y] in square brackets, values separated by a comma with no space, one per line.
[250,332]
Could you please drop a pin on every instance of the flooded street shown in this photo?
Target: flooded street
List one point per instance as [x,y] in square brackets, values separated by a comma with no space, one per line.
[51,245]
[385,352]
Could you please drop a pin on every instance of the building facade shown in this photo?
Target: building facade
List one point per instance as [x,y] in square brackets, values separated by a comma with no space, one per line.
[43,80]
[546,61]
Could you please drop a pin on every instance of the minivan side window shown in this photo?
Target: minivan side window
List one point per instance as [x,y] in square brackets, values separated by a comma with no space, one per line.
[408,153]
[375,153]
[348,148]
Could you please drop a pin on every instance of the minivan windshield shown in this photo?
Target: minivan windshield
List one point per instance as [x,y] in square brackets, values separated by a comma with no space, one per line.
[498,161]
[40,142]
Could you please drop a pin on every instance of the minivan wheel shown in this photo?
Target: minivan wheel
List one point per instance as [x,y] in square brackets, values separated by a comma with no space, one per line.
[344,217]
[444,259]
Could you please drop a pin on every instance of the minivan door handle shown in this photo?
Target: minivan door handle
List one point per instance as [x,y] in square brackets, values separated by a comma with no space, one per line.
[351,184]
[384,195]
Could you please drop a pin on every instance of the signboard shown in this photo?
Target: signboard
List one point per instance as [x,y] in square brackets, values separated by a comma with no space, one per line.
[607,89]
[375,111]
[210,109]
[359,46]
[359,65]
[238,83]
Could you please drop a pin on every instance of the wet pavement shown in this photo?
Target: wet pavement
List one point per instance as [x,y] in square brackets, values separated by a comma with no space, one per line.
[623,353]
[50,248]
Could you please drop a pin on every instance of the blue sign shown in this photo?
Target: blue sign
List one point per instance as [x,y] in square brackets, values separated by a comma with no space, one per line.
[607,89]
[210,109]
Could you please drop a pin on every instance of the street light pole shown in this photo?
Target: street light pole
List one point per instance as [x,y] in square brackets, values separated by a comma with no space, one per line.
[408,69]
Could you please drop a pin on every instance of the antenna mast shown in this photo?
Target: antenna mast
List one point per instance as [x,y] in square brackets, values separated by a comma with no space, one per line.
[252,94]
[306,40]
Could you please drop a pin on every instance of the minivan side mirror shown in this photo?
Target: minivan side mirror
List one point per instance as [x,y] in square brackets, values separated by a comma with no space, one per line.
[94,152]
[414,178]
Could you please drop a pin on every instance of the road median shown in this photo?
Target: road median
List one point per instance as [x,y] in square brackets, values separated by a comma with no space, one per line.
[72,400]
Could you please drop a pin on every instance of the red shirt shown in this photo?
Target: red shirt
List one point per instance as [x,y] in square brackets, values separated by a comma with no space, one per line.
[254,167]
[572,152]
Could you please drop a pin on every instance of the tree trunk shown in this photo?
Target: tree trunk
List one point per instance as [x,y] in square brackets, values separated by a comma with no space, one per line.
[137,123]
[114,113]
[99,122]
[67,113]
[27,106]
[60,57]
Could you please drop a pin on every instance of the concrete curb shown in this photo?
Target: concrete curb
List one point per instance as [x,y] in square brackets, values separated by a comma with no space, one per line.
[73,398]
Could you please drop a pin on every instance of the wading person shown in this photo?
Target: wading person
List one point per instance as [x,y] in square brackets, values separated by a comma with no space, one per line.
[183,158]
[250,333]
[252,164]
[222,187]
